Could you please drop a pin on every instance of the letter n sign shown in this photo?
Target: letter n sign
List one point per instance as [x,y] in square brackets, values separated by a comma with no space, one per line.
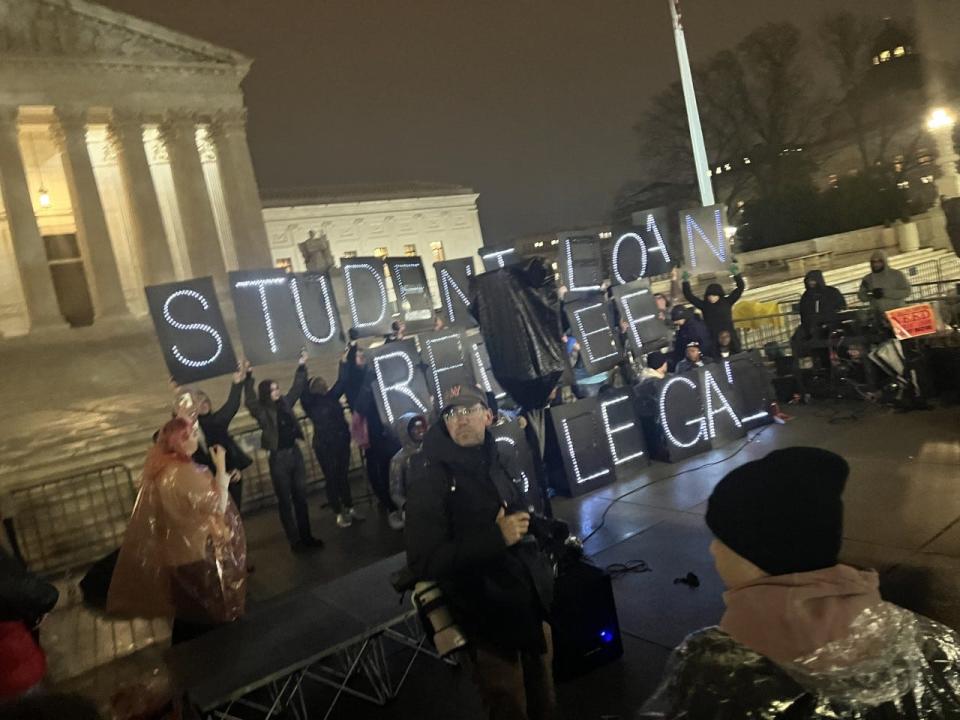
[191,330]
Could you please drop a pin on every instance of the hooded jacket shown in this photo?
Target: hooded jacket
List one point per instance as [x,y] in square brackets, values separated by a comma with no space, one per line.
[405,458]
[216,431]
[810,646]
[719,315]
[693,330]
[893,283]
[819,305]
[497,595]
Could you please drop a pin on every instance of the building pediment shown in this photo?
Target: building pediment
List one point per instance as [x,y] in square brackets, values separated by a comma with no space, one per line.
[78,31]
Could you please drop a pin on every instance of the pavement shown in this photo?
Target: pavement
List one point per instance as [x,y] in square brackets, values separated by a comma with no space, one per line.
[902,516]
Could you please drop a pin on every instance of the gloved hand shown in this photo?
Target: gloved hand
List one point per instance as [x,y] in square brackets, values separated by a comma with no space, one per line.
[685,277]
[734,268]
[877,292]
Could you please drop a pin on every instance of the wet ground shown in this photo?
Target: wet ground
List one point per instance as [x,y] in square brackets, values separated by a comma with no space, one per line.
[902,517]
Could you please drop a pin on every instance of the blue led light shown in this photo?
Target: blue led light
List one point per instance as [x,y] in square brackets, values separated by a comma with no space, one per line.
[606,636]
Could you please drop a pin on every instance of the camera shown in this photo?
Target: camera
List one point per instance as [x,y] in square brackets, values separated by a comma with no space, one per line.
[429,601]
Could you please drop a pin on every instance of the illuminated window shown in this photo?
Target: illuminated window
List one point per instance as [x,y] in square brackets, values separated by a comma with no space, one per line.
[285,264]
[538,243]
[606,234]
[555,241]
[380,252]
[437,249]
[349,254]
[884,56]
[410,250]
[833,179]
[876,60]
[899,51]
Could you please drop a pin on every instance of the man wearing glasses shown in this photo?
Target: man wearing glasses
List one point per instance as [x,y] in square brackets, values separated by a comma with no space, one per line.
[467,529]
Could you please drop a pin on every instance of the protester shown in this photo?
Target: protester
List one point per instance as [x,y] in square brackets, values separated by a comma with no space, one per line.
[717,307]
[656,367]
[331,443]
[24,601]
[184,551]
[369,432]
[398,331]
[586,385]
[690,329]
[410,429]
[467,531]
[664,303]
[215,427]
[819,305]
[279,432]
[883,288]
[802,636]
[693,359]
[725,345]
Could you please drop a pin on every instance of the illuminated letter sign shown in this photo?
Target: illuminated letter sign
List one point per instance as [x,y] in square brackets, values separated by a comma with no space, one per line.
[453,281]
[447,364]
[723,423]
[497,257]
[367,295]
[413,296]
[580,267]
[623,433]
[399,382]
[583,447]
[645,331]
[316,308]
[512,443]
[191,330]
[265,315]
[751,380]
[680,410]
[704,240]
[641,250]
[590,321]
[482,370]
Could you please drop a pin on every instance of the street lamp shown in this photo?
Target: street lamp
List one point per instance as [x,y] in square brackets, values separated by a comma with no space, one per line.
[940,123]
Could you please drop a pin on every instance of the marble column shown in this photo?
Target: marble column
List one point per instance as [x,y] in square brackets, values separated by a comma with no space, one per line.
[178,133]
[948,183]
[101,263]
[240,190]
[146,220]
[35,277]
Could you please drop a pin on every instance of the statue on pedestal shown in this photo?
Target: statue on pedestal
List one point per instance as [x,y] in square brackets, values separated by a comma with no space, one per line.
[316,252]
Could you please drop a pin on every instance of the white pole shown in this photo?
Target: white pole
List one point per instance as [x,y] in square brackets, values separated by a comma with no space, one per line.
[693,116]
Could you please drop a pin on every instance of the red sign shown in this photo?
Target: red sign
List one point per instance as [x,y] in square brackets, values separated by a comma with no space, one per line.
[913,321]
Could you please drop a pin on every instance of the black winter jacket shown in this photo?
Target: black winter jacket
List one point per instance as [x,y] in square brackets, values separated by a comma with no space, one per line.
[24,597]
[497,594]
[266,415]
[719,315]
[216,430]
[693,330]
[820,305]
[330,429]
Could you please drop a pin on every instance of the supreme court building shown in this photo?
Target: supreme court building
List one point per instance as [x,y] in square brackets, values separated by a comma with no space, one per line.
[123,163]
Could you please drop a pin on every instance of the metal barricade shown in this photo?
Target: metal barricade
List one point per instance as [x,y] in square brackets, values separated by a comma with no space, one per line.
[67,523]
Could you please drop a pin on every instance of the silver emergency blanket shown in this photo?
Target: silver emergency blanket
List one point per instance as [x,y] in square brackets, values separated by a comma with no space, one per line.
[893,664]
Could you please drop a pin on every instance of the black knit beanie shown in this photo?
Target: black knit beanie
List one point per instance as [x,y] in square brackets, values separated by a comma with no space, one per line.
[784,512]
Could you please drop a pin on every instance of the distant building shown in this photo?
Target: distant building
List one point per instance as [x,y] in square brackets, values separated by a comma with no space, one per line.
[123,163]
[436,222]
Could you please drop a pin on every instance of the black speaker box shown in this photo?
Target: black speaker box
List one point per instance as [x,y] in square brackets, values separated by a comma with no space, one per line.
[586,632]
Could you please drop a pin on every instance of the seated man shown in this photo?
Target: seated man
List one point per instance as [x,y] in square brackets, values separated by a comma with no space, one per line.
[467,528]
[694,358]
[803,637]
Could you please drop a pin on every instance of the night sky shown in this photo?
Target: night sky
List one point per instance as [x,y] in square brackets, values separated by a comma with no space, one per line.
[530,102]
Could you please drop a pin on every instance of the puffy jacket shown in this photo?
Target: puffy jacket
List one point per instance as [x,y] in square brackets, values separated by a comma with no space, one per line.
[719,315]
[894,664]
[893,283]
[496,593]
[216,430]
[403,461]
[266,413]
[819,305]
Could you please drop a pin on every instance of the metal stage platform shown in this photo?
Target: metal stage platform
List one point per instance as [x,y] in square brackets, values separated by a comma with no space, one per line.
[333,633]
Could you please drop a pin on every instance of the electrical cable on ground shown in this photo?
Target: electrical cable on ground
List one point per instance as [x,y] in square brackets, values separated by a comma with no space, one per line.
[603,517]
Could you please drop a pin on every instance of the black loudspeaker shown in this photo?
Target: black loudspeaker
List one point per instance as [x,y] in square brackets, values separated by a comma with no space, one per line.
[586,632]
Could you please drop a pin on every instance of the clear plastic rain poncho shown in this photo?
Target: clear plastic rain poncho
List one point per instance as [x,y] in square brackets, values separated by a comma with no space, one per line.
[183,555]
[893,664]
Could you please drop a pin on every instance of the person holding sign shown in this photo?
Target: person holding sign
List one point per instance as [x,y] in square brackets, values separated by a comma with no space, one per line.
[716,306]
[331,443]
[690,329]
[280,431]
